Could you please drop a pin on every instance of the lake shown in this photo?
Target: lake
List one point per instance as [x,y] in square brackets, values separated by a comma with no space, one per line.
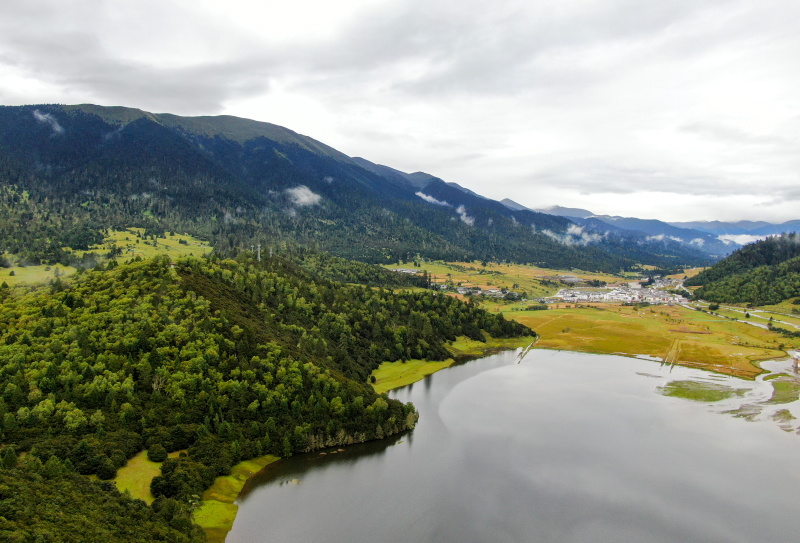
[564,447]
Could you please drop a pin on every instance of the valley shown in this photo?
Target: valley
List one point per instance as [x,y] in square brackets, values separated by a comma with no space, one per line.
[137,315]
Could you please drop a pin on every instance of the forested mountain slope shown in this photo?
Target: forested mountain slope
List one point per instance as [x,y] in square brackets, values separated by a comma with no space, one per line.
[238,182]
[228,359]
[765,272]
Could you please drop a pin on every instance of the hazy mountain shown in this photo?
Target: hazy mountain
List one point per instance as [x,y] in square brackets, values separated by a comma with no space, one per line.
[567,212]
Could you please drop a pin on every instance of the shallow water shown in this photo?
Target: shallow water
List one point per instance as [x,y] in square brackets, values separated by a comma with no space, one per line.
[563,447]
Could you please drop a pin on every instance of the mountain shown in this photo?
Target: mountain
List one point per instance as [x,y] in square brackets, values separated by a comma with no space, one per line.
[238,182]
[708,243]
[642,229]
[765,272]
[752,228]
[567,212]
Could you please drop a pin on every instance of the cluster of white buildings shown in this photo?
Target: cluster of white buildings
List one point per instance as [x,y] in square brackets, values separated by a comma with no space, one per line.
[632,293]
[477,291]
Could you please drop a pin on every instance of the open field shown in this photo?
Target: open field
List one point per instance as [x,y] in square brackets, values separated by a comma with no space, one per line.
[671,334]
[30,275]
[132,246]
[758,315]
[493,275]
[690,272]
[217,509]
[123,239]
[135,476]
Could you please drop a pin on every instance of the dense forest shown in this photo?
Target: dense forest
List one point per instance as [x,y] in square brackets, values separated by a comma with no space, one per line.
[765,272]
[225,359]
[236,182]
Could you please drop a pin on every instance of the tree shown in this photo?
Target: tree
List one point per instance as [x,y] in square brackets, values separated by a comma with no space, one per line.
[157,453]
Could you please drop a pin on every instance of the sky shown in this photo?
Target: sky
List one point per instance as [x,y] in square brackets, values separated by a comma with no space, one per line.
[677,110]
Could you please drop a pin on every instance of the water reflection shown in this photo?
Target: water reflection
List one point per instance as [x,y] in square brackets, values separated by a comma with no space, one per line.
[563,447]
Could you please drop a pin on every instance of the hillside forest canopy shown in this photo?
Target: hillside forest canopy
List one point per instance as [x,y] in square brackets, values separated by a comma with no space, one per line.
[223,359]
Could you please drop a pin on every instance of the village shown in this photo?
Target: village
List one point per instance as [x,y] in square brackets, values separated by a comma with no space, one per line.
[657,290]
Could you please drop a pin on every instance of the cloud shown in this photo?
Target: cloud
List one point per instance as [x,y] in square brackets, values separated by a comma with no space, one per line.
[739,239]
[574,235]
[462,214]
[431,199]
[698,241]
[599,97]
[303,196]
[328,179]
[574,230]
[48,118]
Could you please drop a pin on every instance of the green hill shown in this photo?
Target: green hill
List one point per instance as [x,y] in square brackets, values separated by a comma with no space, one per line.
[762,273]
[225,359]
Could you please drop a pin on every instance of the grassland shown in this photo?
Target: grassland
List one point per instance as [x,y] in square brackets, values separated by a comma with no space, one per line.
[126,240]
[29,275]
[132,245]
[137,474]
[527,278]
[675,335]
[217,509]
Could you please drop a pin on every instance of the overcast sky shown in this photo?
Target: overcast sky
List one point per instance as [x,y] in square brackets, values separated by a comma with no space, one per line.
[677,110]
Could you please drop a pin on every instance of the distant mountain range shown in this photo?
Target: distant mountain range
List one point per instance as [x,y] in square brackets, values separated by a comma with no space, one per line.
[237,182]
[711,236]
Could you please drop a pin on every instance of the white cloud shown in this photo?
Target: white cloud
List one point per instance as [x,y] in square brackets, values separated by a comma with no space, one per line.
[303,196]
[466,219]
[575,235]
[698,241]
[48,118]
[739,239]
[431,199]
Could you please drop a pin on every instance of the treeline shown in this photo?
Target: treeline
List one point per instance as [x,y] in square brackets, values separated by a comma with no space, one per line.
[765,272]
[50,503]
[225,359]
[36,230]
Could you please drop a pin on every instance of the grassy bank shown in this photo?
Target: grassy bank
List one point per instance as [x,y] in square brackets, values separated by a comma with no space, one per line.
[391,375]
[217,510]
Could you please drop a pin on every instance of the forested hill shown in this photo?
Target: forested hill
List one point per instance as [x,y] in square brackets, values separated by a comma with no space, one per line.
[228,359]
[237,182]
[765,272]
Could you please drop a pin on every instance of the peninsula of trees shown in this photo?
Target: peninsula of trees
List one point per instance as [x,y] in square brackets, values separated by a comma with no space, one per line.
[225,359]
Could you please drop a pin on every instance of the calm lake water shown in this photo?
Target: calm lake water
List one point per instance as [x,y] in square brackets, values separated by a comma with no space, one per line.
[562,447]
